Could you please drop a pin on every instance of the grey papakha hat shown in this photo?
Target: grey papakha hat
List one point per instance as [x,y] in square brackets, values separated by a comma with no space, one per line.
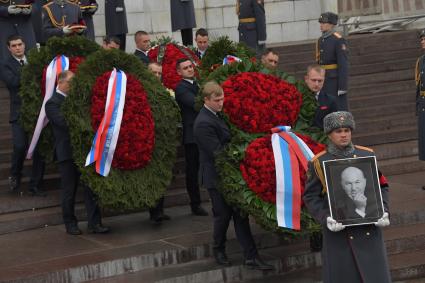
[336,120]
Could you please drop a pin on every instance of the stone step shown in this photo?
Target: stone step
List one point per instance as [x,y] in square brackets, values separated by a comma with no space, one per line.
[50,182]
[381,137]
[382,88]
[5,169]
[393,99]
[374,111]
[399,75]
[396,150]
[384,123]
[402,165]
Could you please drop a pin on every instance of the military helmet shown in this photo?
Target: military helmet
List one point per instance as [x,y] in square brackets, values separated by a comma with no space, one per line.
[328,18]
[421,34]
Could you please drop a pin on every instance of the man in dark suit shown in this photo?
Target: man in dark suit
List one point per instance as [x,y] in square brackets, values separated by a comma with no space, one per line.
[143,43]
[326,104]
[68,170]
[201,39]
[59,18]
[116,20]
[11,74]
[332,54]
[211,135]
[15,19]
[186,91]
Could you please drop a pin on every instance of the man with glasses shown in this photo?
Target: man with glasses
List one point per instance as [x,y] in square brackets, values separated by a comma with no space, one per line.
[420,99]
[186,91]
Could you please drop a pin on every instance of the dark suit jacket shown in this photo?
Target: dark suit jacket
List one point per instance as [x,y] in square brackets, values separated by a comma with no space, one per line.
[142,56]
[211,135]
[185,97]
[63,150]
[326,104]
[11,75]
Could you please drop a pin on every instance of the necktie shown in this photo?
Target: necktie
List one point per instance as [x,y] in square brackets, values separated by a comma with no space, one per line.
[22,62]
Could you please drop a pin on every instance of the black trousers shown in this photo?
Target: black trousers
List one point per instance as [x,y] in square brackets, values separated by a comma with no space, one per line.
[187,36]
[222,214]
[157,209]
[192,167]
[20,147]
[69,182]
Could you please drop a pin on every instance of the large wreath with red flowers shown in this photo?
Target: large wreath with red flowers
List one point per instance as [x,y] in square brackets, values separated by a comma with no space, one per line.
[76,48]
[167,55]
[257,100]
[146,148]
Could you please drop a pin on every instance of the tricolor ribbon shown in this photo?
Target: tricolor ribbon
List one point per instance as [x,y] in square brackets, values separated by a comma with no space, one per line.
[289,151]
[231,59]
[59,64]
[105,140]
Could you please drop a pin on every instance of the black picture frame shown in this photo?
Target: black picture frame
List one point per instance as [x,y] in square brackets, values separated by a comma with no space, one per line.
[346,203]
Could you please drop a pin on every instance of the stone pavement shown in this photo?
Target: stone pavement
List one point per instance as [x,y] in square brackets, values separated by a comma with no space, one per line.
[135,247]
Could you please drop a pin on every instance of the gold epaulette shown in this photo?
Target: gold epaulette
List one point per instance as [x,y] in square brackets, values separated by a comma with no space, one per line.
[417,72]
[337,35]
[319,171]
[364,148]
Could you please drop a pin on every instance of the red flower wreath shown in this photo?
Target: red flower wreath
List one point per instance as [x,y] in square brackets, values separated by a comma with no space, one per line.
[258,169]
[172,54]
[136,140]
[257,102]
[74,62]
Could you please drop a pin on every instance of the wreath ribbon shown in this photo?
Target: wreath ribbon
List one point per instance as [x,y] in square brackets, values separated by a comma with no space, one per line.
[289,152]
[105,140]
[59,64]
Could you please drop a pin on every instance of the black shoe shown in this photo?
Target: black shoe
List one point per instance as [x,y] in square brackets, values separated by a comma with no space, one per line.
[221,258]
[14,183]
[34,191]
[199,211]
[73,230]
[156,218]
[98,229]
[316,242]
[165,217]
[258,264]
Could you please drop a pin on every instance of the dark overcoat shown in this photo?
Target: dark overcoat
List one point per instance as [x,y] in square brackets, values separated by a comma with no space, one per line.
[36,19]
[420,105]
[55,17]
[355,254]
[87,16]
[115,22]
[182,14]
[14,24]
[254,31]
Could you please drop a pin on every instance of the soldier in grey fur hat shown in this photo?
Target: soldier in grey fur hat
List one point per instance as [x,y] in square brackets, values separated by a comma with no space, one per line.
[346,255]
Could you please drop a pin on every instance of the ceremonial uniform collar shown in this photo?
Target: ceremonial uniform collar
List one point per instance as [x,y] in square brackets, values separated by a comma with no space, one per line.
[328,33]
[346,152]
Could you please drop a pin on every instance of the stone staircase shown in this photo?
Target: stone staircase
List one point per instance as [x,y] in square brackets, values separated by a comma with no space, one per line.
[381,96]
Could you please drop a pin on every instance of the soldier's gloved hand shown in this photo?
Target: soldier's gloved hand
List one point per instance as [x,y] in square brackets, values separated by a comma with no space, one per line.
[119,9]
[67,30]
[383,221]
[81,30]
[13,10]
[341,92]
[333,225]
[27,11]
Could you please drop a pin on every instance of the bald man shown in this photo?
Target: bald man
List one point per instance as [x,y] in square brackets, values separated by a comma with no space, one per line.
[353,183]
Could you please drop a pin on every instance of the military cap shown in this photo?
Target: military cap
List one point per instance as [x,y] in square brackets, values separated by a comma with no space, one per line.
[328,18]
[421,33]
[336,120]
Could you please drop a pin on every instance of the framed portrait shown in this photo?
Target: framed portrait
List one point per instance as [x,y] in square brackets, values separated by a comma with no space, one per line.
[354,193]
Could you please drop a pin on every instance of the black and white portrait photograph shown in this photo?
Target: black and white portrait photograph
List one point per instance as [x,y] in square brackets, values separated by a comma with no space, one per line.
[353,190]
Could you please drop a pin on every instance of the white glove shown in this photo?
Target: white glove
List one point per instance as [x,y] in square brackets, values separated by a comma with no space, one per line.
[67,30]
[13,10]
[119,9]
[27,11]
[333,225]
[341,92]
[383,221]
[80,31]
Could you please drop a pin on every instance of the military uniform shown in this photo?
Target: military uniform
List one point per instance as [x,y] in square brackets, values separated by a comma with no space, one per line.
[332,55]
[37,24]
[183,19]
[55,16]
[14,24]
[420,104]
[116,20]
[252,23]
[88,8]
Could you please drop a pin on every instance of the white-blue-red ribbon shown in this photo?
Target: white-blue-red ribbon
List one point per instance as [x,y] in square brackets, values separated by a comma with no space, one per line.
[59,64]
[231,59]
[289,152]
[105,140]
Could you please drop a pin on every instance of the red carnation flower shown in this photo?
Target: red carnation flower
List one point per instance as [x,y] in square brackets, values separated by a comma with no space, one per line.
[257,102]
[136,140]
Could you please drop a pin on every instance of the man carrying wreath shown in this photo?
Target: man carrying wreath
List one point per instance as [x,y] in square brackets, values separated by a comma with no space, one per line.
[354,253]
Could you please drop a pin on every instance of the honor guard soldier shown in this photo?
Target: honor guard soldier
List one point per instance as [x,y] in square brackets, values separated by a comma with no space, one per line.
[15,19]
[61,18]
[420,99]
[116,20]
[252,23]
[88,8]
[332,55]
